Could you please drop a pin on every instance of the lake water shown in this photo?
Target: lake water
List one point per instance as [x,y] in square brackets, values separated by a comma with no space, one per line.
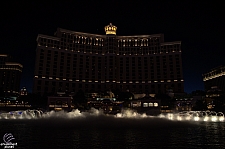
[95,131]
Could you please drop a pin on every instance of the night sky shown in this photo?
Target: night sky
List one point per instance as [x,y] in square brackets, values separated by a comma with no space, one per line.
[200,26]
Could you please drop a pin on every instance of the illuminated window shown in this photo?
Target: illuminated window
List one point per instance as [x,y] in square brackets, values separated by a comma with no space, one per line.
[150,104]
[135,105]
[145,104]
[156,104]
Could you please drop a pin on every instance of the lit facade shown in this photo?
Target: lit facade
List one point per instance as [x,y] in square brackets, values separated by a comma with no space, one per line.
[215,77]
[148,106]
[10,74]
[73,60]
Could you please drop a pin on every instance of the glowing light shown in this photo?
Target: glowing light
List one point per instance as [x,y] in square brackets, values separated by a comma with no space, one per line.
[212,76]
[188,118]
[206,118]
[196,118]
[221,118]
[214,118]
[179,118]
[110,29]
[156,104]
[150,104]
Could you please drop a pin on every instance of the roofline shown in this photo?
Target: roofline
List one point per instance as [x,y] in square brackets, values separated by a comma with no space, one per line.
[48,37]
[170,43]
[13,63]
[69,31]
[145,36]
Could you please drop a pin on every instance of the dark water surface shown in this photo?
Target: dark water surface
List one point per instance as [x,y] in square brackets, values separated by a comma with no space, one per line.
[113,133]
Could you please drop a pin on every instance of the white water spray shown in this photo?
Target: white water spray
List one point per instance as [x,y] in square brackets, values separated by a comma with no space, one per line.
[125,114]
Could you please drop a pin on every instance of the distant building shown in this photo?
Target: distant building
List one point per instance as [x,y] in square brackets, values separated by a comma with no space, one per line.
[184,104]
[147,105]
[23,92]
[10,74]
[60,102]
[96,63]
[215,77]
[214,98]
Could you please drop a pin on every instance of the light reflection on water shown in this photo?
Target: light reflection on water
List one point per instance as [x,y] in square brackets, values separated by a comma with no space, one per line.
[109,132]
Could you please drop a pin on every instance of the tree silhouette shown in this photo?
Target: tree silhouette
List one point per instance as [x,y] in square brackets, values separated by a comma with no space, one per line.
[2,94]
[79,97]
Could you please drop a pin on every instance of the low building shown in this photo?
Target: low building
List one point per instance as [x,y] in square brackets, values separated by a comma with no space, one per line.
[167,106]
[60,102]
[147,105]
[11,104]
[215,99]
[108,105]
[184,104]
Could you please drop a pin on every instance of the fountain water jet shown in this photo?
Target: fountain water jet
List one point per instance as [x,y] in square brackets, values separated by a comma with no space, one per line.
[126,113]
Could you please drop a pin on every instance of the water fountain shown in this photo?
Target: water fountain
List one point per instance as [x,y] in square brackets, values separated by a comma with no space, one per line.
[181,116]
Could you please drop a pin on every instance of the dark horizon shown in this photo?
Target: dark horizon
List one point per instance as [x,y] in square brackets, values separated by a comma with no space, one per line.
[199,27]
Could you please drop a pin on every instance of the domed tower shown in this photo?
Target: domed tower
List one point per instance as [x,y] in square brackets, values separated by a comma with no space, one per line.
[110,29]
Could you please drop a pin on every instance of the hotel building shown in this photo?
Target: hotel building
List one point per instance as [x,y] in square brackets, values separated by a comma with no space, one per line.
[215,78]
[10,74]
[74,60]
